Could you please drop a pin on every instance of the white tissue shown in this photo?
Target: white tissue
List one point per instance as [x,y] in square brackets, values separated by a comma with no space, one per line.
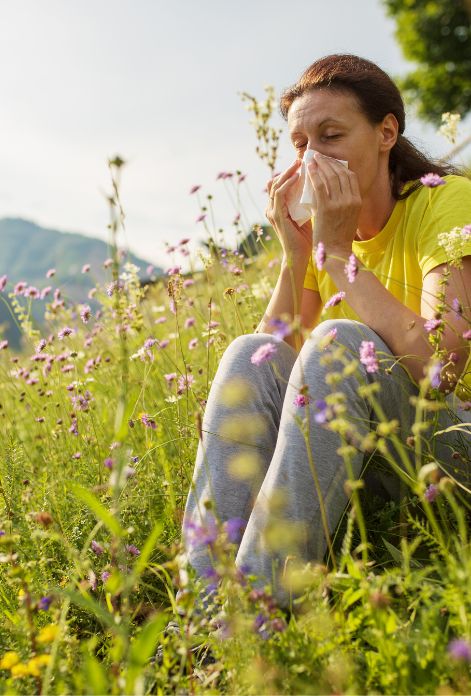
[301,198]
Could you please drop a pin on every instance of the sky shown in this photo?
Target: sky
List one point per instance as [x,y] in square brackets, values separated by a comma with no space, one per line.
[159,83]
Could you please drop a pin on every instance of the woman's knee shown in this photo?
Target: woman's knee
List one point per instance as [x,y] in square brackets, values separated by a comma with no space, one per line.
[244,347]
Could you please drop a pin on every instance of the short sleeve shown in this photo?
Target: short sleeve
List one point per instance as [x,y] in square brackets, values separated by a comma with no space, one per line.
[310,280]
[449,207]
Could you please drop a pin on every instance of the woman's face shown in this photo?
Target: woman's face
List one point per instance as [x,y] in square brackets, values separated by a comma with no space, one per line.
[333,124]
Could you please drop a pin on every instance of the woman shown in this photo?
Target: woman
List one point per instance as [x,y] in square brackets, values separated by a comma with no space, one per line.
[377,225]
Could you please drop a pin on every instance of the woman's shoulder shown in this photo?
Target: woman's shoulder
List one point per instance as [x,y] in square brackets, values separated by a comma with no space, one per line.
[453,189]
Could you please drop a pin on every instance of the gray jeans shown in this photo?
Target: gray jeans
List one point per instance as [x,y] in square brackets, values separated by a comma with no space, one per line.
[276,465]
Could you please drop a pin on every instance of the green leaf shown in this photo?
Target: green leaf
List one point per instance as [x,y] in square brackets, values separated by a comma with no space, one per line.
[147,549]
[97,682]
[98,508]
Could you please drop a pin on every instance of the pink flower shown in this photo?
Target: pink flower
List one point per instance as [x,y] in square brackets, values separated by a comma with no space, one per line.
[190,322]
[51,272]
[132,550]
[19,288]
[264,353]
[107,263]
[85,313]
[431,493]
[335,299]
[301,400]
[66,331]
[432,324]
[368,356]
[85,268]
[192,344]
[96,547]
[148,421]
[201,217]
[467,335]
[188,282]
[3,282]
[320,256]
[170,377]
[184,241]
[351,268]
[184,383]
[45,292]
[174,270]
[3,345]
[194,189]
[432,180]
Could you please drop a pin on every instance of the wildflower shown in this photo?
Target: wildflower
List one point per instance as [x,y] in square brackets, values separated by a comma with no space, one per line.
[163,344]
[211,574]
[368,356]
[467,335]
[174,270]
[213,324]
[51,272]
[278,625]
[66,331]
[282,328]
[3,344]
[203,534]
[170,377]
[44,603]
[432,325]
[457,308]
[184,241]
[194,189]
[3,282]
[432,180]
[96,548]
[188,282]
[320,256]
[351,268]
[449,127]
[301,400]
[41,345]
[85,313]
[149,342]
[454,243]
[77,455]
[19,288]
[190,322]
[264,353]
[192,344]
[85,268]
[91,293]
[43,518]
[242,177]
[40,419]
[460,649]
[105,575]
[107,263]
[434,374]
[184,383]
[9,660]
[431,493]
[74,427]
[335,299]
[235,529]
[132,550]
[48,633]
[323,412]
[45,292]
[160,320]
[108,463]
[148,421]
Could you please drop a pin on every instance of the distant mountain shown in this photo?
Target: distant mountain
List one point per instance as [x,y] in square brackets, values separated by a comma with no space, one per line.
[28,251]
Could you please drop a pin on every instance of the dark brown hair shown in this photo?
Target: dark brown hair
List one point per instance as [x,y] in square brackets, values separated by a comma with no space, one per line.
[377,96]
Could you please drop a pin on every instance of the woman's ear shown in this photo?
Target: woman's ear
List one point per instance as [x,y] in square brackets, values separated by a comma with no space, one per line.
[389,130]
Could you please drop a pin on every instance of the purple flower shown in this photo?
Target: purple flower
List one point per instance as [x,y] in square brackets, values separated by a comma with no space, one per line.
[174,270]
[44,603]
[170,377]
[234,529]
[192,344]
[264,353]
[301,400]
[108,463]
[320,256]
[432,324]
[3,282]
[149,342]
[105,575]
[282,329]
[457,308]
[184,383]
[148,421]
[368,356]
[351,268]
[432,180]
[51,272]
[203,534]
[85,313]
[189,322]
[132,550]
[66,331]
[434,374]
[41,345]
[211,574]
[460,649]
[335,299]
[96,547]
[323,411]
[431,493]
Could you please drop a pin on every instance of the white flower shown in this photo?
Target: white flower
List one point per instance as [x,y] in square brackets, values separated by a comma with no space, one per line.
[449,127]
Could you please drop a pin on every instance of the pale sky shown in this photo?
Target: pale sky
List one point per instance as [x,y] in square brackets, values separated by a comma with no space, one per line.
[158,82]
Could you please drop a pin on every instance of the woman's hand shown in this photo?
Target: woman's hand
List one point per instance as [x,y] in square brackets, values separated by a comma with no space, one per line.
[296,240]
[338,204]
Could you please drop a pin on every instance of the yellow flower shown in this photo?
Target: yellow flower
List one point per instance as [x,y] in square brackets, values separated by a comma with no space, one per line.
[9,659]
[35,664]
[20,670]
[48,633]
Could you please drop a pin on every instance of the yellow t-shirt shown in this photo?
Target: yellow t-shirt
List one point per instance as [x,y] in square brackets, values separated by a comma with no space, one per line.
[406,249]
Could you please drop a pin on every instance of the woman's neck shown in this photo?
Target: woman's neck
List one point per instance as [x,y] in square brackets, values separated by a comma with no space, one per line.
[375,212]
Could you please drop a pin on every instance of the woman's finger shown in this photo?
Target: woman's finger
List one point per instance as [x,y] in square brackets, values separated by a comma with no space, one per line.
[280,180]
[332,174]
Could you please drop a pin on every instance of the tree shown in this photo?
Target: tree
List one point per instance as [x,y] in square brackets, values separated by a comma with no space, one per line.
[435,34]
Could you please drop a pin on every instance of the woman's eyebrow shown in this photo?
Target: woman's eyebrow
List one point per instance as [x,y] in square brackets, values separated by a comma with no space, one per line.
[329,119]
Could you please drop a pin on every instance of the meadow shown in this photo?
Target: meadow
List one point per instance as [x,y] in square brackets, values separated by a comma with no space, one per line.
[100,418]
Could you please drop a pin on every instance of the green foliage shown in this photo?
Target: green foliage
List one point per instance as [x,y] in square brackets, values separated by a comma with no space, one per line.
[435,34]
